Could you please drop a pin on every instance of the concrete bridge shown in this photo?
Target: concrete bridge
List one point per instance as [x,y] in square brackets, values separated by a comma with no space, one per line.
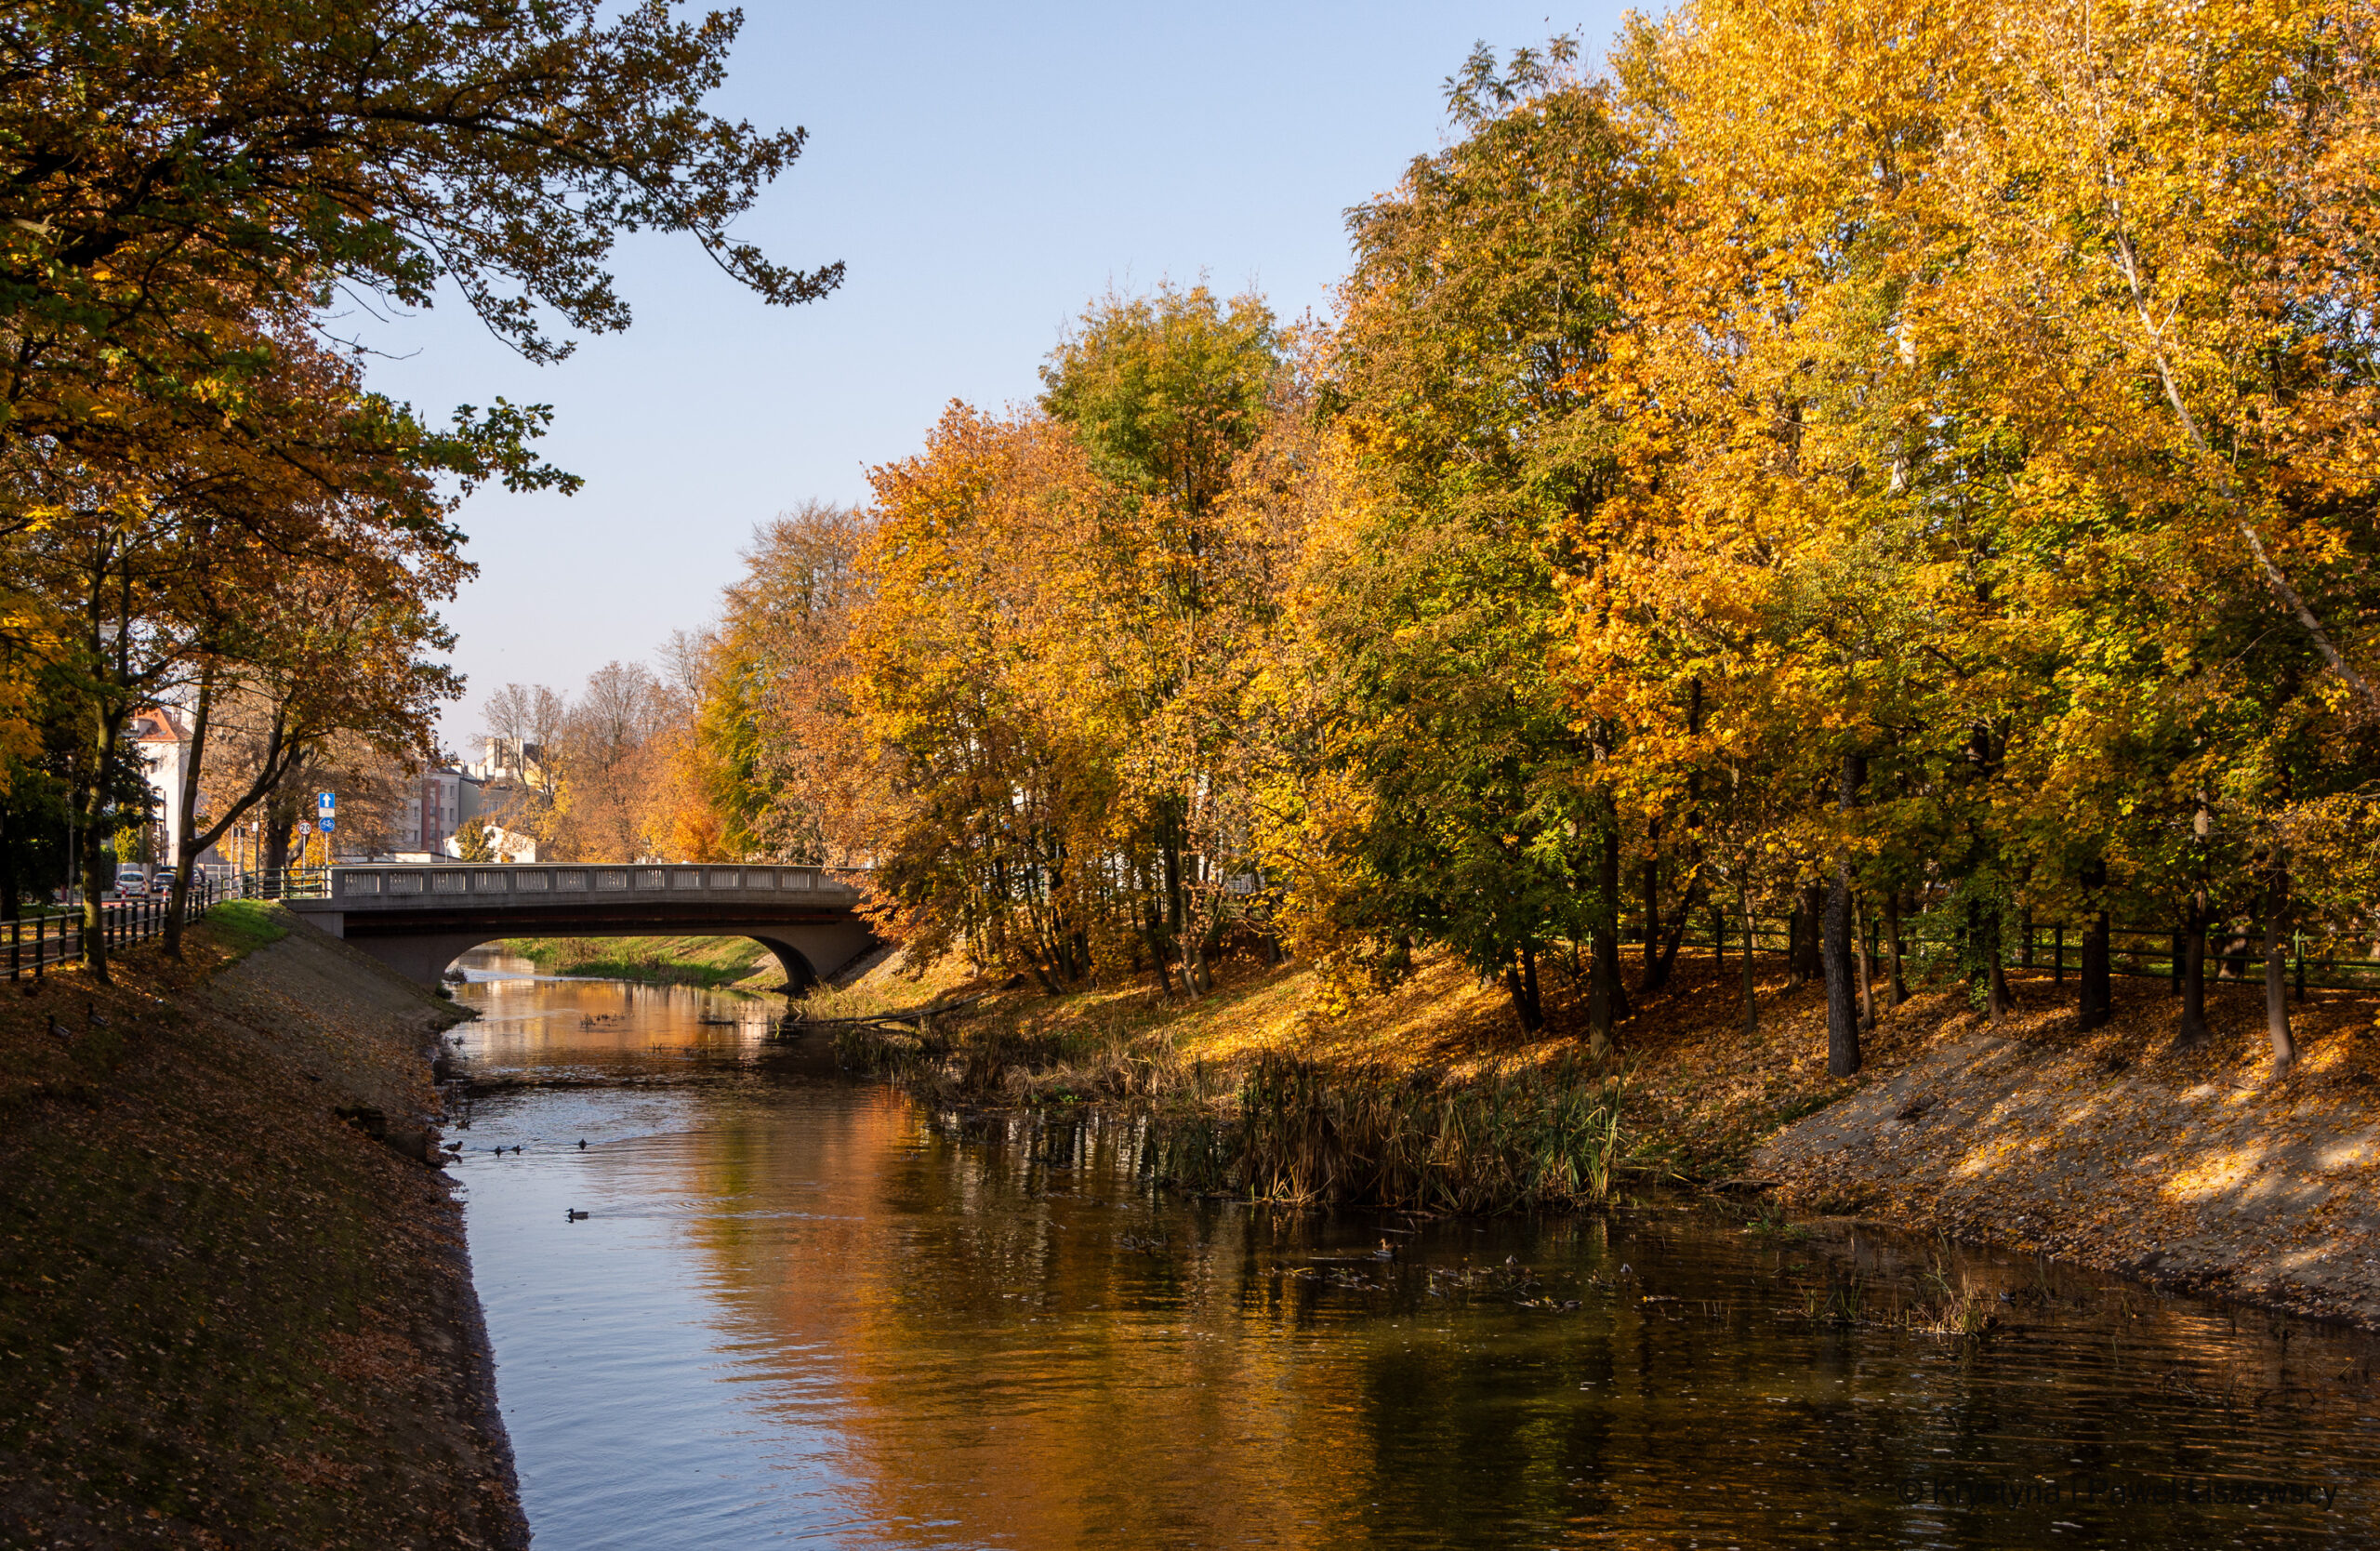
[418,919]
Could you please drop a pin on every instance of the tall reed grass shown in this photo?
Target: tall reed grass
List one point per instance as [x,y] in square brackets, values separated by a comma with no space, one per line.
[1293,1129]
[1552,1136]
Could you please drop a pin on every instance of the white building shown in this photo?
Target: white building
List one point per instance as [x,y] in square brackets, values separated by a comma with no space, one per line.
[157,735]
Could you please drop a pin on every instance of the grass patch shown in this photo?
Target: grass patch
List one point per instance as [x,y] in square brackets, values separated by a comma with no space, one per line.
[708,961]
[241,926]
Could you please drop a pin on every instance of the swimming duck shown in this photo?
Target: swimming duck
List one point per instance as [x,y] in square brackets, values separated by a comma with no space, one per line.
[576,1215]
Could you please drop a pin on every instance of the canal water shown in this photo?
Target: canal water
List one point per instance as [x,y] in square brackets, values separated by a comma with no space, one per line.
[802,1310]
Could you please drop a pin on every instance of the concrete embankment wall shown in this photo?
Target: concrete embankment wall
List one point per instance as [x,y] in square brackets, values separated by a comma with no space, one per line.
[234,1300]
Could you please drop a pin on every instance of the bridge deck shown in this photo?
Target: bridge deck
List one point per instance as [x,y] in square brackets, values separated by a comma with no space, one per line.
[516,885]
[416,917]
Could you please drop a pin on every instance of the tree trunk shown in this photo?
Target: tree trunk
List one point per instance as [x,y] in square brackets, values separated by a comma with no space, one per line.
[1172,859]
[1867,950]
[1752,1003]
[1652,885]
[11,889]
[1607,998]
[1841,930]
[1841,1004]
[187,847]
[2095,1004]
[2284,1048]
[1672,937]
[1809,912]
[1520,984]
[94,882]
[1663,943]
[2193,1032]
[276,840]
[1900,983]
[1983,943]
[108,748]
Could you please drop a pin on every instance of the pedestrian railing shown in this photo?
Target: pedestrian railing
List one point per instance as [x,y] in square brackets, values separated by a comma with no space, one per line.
[35,942]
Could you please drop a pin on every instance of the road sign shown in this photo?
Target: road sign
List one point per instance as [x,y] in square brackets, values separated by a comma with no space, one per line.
[327,801]
[326,822]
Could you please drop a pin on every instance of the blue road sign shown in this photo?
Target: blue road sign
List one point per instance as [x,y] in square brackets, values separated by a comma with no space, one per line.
[326,801]
[326,822]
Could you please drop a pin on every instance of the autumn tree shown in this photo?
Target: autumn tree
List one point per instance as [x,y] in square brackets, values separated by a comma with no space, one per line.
[2191,276]
[146,579]
[609,764]
[326,665]
[1475,317]
[169,167]
[776,752]
[1164,393]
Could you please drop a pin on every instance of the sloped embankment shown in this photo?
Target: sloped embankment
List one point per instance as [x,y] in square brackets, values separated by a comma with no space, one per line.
[2111,1149]
[234,1300]
[2194,1168]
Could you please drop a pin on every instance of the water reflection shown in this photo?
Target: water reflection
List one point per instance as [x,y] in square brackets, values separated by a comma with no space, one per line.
[802,1308]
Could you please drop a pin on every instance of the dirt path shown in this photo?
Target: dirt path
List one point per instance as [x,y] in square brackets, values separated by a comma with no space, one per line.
[233,1316]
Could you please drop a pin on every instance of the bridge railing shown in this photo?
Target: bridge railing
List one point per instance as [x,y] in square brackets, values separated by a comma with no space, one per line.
[46,938]
[385,883]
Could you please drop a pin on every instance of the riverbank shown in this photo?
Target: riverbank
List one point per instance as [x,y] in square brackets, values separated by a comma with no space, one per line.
[2109,1149]
[2195,1169]
[235,1302]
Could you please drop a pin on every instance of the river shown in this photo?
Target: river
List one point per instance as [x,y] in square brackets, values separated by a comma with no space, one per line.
[802,1308]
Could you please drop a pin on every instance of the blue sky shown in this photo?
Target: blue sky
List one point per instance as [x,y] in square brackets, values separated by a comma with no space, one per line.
[983,173]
